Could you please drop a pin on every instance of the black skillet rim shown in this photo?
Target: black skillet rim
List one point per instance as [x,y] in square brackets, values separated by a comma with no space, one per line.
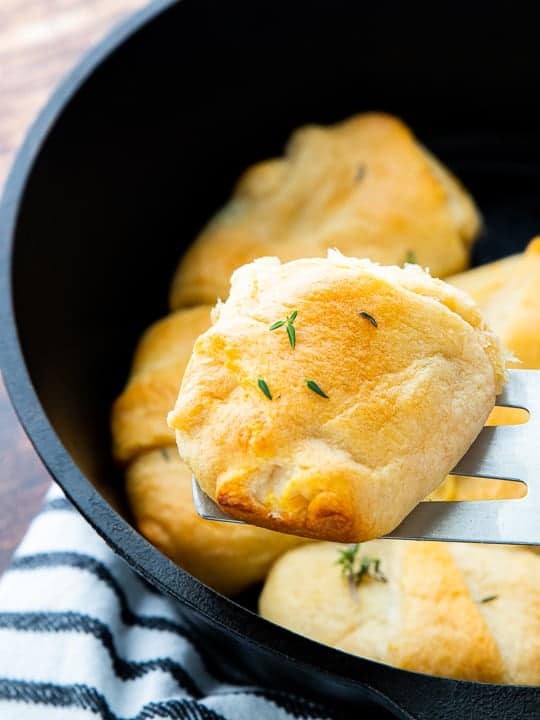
[158,570]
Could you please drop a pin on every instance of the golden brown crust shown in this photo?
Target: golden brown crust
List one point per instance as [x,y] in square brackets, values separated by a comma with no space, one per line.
[326,514]
[364,185]
[139,414]
[406,398]
[225,556]
[442,629]
[460,611]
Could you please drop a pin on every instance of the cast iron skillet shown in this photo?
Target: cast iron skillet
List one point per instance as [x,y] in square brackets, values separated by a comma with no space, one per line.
[130,157]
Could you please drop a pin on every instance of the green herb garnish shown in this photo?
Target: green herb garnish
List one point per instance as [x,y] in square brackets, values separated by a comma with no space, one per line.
[312,385]
[360,173]
[263,387]
[289,323]
[347,557]
[354,567]
[369,317]
[410,258]
[291,332]
[292,317]
[164,454]
[489,598]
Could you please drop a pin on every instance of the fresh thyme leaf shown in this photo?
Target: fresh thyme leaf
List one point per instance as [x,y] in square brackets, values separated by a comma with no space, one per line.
[360,173]
[164,454]
[346,558]
[489,598]
[410,258]
[369,317]
[354,568]
[291,332]
[263,387]
[312,385]
[372,568]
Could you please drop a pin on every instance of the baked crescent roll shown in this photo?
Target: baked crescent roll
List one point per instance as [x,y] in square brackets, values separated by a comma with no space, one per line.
[507,292]
[139,415]
[339,434]
[459,611]
[225,556]
[483,281]
[364,185]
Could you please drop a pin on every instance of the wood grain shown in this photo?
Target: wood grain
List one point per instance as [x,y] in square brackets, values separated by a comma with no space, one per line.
[40,41]
[23,480]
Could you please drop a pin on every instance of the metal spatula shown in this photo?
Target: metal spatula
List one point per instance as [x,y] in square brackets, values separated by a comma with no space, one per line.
[504,452]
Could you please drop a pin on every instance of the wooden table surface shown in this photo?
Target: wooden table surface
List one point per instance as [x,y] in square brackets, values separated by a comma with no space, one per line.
[40,40]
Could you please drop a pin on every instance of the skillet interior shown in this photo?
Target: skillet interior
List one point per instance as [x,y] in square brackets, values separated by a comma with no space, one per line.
[151,144]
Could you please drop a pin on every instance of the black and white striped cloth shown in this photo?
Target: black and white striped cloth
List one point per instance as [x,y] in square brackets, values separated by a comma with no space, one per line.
[82,637]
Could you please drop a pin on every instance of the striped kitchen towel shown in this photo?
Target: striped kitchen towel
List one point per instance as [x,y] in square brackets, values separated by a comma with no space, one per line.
[82,636]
